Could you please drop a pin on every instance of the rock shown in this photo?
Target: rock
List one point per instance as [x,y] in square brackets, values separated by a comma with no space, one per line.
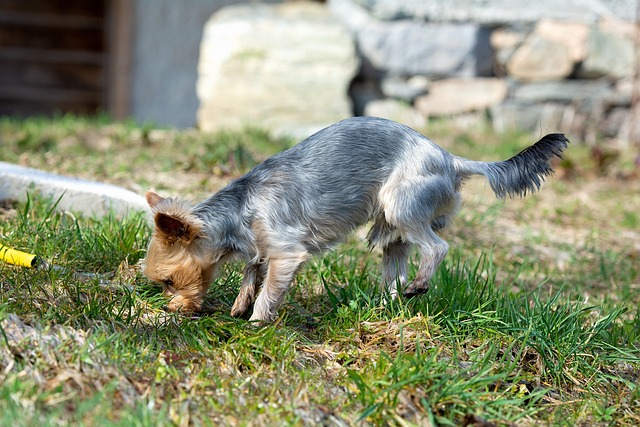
[404,89]
[409,47]
[455,96]
[539,118]
[627,86]
[539,58]
[573,35]
[506,38]
[623,93]
[504,42]
[612,25]
[562,91]
[497,11]
[395,110]
[285,68]
[434,50]
[607,54]
[615,120]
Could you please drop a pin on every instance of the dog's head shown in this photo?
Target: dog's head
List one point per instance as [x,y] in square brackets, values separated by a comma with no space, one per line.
[178,255]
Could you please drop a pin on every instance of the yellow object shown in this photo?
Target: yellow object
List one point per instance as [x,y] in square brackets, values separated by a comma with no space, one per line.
[15,257]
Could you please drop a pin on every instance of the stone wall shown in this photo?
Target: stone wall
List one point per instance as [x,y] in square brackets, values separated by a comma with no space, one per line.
[550,65]
[545,66]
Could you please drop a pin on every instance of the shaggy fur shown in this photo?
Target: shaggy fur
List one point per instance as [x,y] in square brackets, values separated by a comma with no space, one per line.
[305,200]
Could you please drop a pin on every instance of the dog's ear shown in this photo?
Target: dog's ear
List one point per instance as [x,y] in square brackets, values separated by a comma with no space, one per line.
[153,199]
[172,228]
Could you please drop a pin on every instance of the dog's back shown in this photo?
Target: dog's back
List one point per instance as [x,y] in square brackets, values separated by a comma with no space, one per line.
[330,183]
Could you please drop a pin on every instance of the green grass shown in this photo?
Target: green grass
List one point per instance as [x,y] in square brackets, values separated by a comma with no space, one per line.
[506,335]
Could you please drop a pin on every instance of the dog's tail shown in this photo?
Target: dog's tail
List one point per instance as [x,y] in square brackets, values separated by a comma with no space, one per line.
[521,174]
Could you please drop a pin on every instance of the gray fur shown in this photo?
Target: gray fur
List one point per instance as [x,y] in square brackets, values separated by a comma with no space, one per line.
[305,200]
[521,174]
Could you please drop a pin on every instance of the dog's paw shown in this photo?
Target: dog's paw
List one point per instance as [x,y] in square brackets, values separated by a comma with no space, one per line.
[261,319]
[239,310]
[413,290]
[240,307]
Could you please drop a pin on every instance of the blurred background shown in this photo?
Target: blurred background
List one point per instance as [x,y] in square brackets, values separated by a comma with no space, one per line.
[293,67]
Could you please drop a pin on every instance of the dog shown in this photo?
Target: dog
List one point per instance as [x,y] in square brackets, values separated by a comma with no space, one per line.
[307,199]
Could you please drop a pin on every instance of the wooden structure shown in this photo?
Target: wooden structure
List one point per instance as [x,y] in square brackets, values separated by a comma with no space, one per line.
[60,56]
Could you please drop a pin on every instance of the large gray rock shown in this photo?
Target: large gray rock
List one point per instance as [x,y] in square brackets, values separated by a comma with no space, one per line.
[456,96]
[499,11]
[563,91]
[285,68]
[421,48]
[410,47]
[539,58]
[404,89]
[395,110]
[607,54]
[539,118]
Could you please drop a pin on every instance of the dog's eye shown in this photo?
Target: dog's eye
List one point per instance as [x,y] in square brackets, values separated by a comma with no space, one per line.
[168,283]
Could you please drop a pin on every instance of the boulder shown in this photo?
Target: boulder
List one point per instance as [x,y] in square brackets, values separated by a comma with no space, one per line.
[506,38]
[405,48]
[614,122]
[411,47]
[539,118]
[562,91]
[498,11]
[404,89]
[504,42]
[539,58]
[455,96]
[395,110]
[573,35]
[285,68]
[608,54]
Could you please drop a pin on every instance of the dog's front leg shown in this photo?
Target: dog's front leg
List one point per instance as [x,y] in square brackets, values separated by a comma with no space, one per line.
[253,276]
[280,274]
[394,267]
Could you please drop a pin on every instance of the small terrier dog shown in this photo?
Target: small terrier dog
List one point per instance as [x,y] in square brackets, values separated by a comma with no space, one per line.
[305,200]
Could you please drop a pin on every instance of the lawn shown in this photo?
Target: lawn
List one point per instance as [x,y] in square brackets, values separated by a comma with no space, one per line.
[532,319]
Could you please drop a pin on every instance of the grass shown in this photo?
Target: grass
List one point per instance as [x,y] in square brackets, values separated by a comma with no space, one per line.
[532,318]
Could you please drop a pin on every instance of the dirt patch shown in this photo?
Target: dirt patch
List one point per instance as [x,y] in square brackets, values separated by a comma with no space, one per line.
[49,358]
[8,210]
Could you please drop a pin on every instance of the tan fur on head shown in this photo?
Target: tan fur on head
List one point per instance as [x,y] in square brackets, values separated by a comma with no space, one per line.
[176,257]
[184,278]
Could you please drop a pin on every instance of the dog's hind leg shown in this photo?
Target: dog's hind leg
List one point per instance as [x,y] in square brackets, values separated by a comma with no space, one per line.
[433,250]
[280,274]
[414,205]
[252,280]
[394,267]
